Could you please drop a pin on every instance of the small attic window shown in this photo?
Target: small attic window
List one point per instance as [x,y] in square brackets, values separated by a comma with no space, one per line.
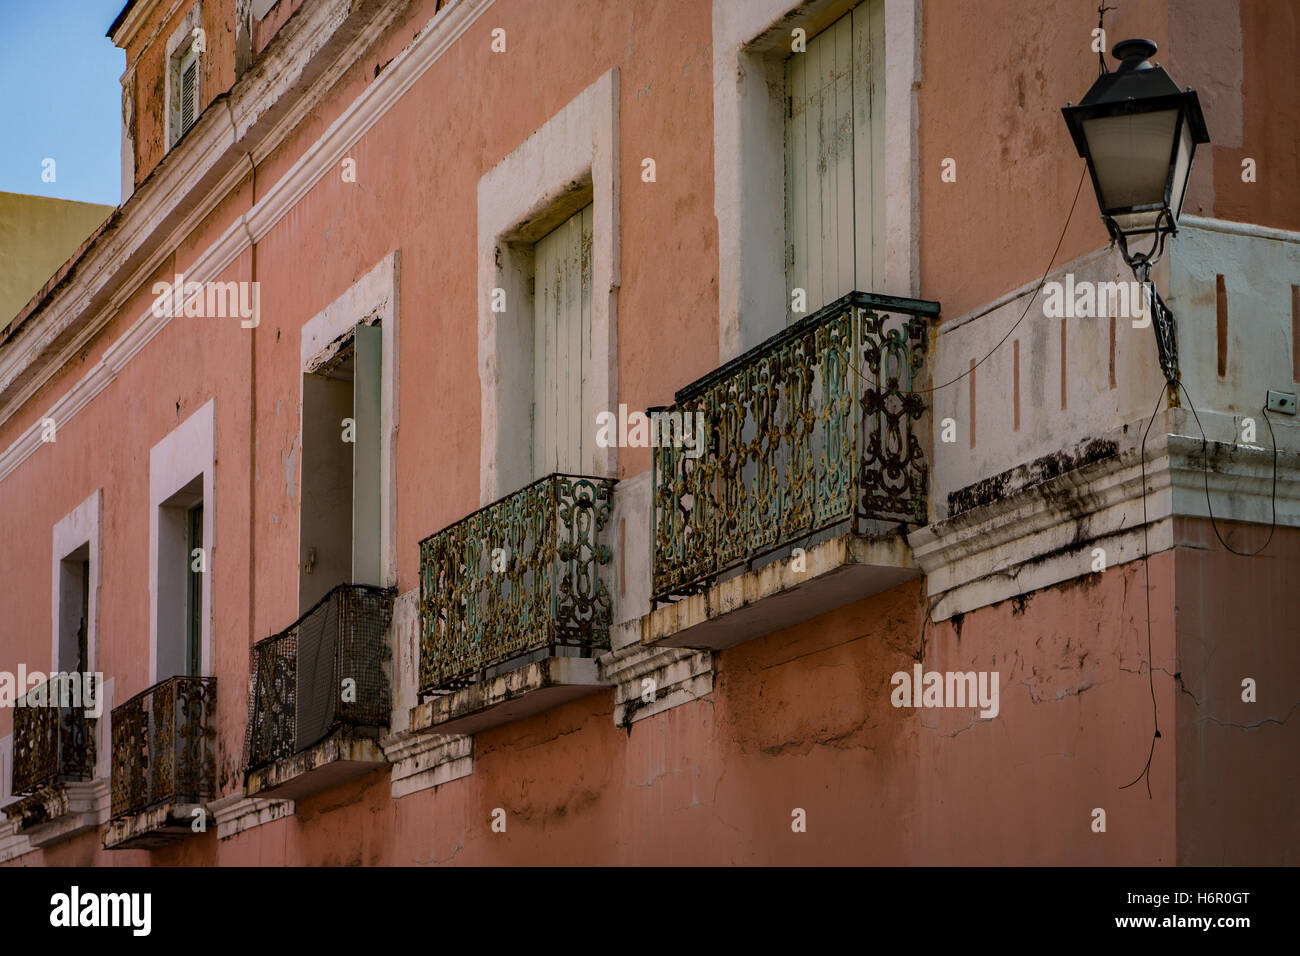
[184,53]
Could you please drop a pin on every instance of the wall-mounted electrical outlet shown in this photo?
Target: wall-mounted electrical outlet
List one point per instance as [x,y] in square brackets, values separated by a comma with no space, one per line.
[1283,402]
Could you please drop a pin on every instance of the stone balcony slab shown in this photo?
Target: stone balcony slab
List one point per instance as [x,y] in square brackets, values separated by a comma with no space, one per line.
[837,572]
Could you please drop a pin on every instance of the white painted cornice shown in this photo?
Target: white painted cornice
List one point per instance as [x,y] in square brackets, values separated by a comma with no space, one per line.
[422,761]
[1030,536]
[669,676]
[236,813]
[1233,228]
[158,208]
[12,843]
[188,184]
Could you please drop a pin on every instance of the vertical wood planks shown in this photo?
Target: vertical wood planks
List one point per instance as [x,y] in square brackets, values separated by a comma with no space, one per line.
[563,417]
[835,159]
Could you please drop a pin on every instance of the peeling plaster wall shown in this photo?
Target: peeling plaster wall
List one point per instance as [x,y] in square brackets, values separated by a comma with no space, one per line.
[1074,728]
[1258,275]
[146,58]
[715,781]
[799,718]
[417,169]
[266,28]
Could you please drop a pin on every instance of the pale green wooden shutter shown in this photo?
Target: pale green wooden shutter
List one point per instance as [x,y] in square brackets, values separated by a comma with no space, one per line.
[366,514]
[834,159]
[563,417]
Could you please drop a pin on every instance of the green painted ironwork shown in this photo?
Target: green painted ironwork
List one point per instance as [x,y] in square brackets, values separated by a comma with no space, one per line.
[815,427]
[520,575]
[54,740]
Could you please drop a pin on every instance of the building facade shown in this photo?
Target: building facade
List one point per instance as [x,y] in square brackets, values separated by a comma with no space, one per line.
[38,235]
[604,432]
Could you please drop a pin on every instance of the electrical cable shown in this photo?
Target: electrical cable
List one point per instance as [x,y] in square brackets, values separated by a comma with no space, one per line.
[1102,68]
[1101,59]
[1028,305]
[1205,474]
[1146,548]
[1146,567]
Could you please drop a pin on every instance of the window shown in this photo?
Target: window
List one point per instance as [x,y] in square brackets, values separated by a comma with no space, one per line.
[182,572]
[74,583]
[194,591]
[834,140]
[182,548]
[339,534]
[184,53]
[562,406]
[74,612]
[554,197]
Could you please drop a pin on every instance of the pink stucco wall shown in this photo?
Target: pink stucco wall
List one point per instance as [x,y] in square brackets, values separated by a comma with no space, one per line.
[712,781]
[716,781]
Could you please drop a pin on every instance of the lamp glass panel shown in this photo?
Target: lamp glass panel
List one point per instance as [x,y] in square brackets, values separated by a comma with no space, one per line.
[1182,166]
[1130,156]
[1131,223]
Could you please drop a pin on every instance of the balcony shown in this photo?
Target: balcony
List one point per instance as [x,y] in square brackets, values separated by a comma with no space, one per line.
[513,606]
[54,760]
[319,696]
[814,441]
[164,763]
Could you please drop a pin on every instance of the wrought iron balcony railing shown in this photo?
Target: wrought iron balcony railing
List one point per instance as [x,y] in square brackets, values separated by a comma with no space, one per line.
[164,748]
[813,428]
[520,575]
[323,673]
[54,740]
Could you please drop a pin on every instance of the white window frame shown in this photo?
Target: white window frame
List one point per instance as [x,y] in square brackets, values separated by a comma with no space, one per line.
[372,299]
[572,160]
[188,452]
[80,527]
[751,42]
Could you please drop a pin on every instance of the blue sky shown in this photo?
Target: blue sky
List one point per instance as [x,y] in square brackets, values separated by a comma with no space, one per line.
[62,99]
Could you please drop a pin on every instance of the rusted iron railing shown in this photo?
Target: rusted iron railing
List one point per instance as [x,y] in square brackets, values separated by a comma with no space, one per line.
[54,740]
[164,746]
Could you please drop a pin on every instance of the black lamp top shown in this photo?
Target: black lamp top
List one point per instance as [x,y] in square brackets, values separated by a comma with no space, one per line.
[1134,54]
[1137,86]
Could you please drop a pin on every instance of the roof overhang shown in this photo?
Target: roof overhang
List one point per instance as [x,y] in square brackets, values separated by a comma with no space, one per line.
[129,20]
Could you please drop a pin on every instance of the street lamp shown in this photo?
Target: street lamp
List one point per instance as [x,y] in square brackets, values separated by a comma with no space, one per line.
[1138,133]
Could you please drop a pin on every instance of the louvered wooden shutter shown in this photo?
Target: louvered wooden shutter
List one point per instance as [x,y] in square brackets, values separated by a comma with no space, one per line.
[189,90]
[834,159]
[563,417]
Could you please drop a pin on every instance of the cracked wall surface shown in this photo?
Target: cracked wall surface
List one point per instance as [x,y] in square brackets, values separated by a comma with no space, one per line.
[1238,773]
[797,719]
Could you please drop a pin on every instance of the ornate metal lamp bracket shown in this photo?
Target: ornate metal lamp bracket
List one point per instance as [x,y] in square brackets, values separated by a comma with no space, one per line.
[1162,318]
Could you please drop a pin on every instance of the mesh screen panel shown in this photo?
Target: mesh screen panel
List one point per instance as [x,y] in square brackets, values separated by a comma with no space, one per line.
[324,672]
